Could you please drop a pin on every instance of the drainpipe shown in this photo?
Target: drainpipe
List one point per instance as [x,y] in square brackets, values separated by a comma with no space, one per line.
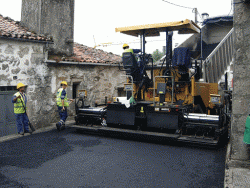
[195,14]
[46,55]
[46,52]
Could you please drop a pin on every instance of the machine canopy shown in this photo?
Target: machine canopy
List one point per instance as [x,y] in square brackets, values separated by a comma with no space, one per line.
[183,27]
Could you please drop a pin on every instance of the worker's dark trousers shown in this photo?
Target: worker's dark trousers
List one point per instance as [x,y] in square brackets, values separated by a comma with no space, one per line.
[22,122]
[63,115]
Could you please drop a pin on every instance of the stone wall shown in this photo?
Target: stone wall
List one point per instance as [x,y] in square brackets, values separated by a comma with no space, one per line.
[30,14]
[100,81]
[51,17]
[24,62]
[241,90]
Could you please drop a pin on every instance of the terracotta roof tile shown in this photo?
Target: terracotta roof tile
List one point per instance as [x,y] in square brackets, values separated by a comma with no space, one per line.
[84,53]
[12,29]
[87,54]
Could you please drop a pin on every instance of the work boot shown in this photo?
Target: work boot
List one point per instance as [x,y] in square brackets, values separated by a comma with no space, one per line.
[29,131]
[58,126]
[63,126]
[21,133]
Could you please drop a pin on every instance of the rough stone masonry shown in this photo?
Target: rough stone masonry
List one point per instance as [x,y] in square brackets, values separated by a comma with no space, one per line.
[241,91]
[24,62]
[51,18]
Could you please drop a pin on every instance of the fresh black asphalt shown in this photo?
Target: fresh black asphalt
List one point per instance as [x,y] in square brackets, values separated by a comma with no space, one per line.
[72,159]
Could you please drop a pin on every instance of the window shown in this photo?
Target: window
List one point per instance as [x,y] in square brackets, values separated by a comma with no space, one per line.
[75,89]
[121,92]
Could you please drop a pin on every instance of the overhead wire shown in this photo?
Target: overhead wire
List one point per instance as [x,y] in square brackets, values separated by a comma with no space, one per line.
[183,7]
[177,5]
[197,10]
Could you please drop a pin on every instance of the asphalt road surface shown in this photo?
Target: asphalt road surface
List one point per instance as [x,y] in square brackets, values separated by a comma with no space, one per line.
[72,159]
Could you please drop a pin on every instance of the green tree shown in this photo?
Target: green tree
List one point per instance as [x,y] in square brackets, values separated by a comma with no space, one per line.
[157,55]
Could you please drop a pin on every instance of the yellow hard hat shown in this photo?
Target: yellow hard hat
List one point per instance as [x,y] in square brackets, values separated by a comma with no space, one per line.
[20,85]
[64,82]
[124,45]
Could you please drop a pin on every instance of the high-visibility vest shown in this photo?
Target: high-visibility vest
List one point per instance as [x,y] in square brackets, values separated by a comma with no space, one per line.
[19,105]
[59,100]
[128,50]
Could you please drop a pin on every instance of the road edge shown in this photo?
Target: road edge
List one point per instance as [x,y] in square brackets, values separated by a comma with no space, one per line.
[40,130]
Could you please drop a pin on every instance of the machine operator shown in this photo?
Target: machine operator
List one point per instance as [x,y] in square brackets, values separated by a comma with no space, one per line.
[127,49]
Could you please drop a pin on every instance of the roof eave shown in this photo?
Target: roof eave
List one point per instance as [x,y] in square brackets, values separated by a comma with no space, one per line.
[81,63]
[26,40]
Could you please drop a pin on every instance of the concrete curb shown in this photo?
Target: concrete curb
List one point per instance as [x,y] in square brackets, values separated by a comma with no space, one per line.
[228,174]
[40,130]
[237,172]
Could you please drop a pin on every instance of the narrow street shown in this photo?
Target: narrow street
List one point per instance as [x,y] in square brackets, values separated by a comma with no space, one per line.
[72,159]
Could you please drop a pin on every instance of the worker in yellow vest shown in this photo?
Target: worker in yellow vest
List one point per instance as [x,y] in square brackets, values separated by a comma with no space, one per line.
[20,101]
[127,49]
[62,104]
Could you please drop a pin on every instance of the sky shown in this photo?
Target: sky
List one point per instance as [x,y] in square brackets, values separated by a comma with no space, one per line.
[95,20]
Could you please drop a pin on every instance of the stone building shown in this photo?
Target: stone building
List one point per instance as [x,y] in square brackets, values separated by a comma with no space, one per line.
[21,60]
[90,69]
[239,152]
[51,18]
[26,57]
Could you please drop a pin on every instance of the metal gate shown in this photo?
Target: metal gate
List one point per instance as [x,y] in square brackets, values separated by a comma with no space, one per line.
[7,116]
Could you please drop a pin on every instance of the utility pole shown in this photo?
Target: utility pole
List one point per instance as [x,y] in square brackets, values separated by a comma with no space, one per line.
[195,15]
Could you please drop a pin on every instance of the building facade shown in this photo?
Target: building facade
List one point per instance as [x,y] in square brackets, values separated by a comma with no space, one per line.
[239,151]
[53,19]
[25,57]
